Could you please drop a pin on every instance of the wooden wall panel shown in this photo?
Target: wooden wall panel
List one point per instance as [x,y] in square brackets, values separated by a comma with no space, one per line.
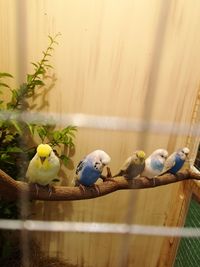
[135,59]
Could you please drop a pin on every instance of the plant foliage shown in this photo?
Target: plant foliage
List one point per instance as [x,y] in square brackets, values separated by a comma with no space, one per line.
[17,136]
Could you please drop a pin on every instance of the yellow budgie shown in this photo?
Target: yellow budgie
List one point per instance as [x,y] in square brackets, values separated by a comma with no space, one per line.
[44,166]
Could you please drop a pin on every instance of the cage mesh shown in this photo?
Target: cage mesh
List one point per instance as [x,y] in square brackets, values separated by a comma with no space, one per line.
[188,254]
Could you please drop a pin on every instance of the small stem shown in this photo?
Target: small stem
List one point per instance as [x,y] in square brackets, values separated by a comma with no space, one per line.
[30,86]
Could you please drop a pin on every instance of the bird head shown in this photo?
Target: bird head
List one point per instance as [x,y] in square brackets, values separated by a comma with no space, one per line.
[184,152]
[140,156]
[98,165]
[102,156]
[161,154]
[43,152]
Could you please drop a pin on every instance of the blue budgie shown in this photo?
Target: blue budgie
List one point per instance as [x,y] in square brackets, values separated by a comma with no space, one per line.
[154,164]
[176,160]
[91,167]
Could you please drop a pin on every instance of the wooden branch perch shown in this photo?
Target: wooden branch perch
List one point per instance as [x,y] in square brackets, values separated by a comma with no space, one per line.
[13,190]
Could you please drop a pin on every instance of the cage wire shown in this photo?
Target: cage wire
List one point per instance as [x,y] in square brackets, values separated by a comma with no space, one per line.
[98,122]
[189,248]
[21,49]
[126,229]
[145,125]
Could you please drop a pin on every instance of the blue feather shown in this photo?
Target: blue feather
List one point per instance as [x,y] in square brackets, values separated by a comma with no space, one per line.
[156,165]
[177,166]
[88,174]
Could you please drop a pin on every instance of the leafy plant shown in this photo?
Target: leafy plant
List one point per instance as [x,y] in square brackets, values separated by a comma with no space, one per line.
[17,144]
[17,136]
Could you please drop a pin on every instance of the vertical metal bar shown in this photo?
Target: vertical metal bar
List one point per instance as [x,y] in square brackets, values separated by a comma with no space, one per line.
[146,116]
[21,49]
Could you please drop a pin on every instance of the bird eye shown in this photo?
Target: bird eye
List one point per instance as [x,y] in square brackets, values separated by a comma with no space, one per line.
[95,165]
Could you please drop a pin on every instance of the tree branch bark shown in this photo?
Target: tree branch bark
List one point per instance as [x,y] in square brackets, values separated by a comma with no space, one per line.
[11,189]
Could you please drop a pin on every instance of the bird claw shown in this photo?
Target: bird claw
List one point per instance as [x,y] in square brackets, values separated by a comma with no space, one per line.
[37,189]
[94,186]
[105,179]
[82,188]
[37,186]
[109,174]
[151,179]
[108,177]
[49,190]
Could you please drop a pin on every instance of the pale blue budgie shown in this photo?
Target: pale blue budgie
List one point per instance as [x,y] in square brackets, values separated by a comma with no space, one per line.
[154,164]
[90,168]
[133,166]
[44,166]
[176,160]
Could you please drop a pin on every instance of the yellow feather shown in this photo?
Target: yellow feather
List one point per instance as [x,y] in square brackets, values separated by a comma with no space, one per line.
[43,150]
[141,154]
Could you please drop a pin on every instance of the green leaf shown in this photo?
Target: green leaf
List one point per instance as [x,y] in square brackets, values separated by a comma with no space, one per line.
[47,55]
[5,74]
[42,132]
[14,94]
[4,157]
[29,77]
[57,136]
[64,159]
[71,134]
[17,126]
[23,89]
[4,85]
[14,149]
[8,138]
[38,82]
[48,66]
[31,128]
[51,39]
[35,65]
[41,71]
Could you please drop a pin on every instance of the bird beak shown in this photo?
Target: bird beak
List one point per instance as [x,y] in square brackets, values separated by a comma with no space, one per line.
[42,159]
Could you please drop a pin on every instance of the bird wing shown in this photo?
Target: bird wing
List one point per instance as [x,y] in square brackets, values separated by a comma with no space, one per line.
[126,164]
[80,166]
[124,167]
[169,163]
[31,168]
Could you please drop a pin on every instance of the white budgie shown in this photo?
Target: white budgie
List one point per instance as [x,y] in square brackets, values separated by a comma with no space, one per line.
[154,164]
